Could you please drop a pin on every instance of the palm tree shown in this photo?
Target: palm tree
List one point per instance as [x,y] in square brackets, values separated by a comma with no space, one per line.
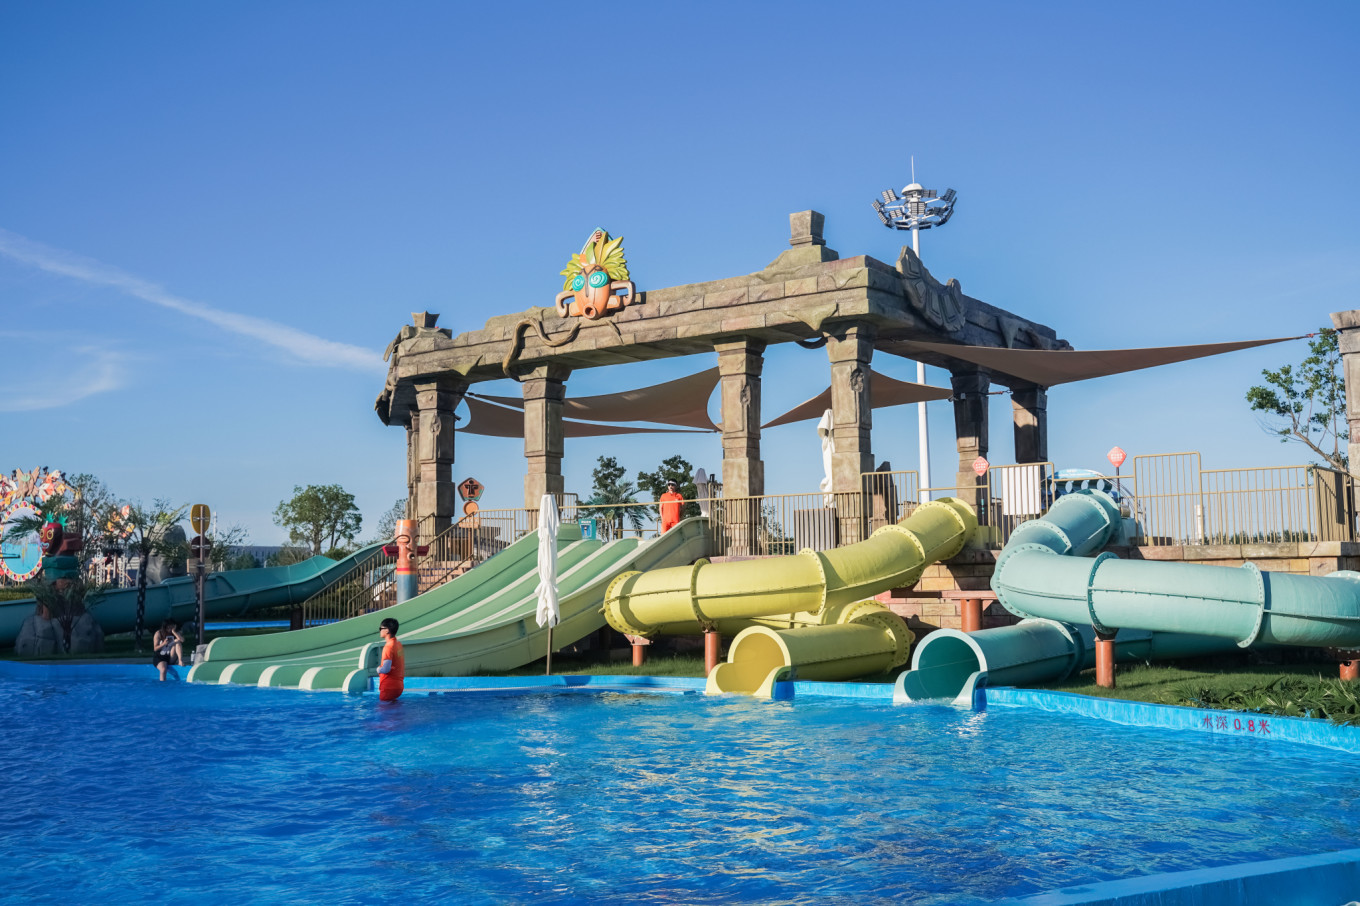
[150,535]
[617,501]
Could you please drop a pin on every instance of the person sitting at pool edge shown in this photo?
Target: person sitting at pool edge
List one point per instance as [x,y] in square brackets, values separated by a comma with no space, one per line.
[392,672]
[167,646]
[670,506]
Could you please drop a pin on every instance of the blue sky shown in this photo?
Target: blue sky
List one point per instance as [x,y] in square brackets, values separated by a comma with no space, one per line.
[215,216]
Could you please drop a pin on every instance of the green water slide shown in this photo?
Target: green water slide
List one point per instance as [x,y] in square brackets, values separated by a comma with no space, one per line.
[1047,575]
[228,594]
[482,620]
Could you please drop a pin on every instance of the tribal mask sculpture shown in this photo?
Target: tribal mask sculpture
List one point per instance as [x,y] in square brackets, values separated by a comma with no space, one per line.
[594,277]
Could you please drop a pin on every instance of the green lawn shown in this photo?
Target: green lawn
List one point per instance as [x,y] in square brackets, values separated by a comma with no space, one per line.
[667,665]
[1287,690]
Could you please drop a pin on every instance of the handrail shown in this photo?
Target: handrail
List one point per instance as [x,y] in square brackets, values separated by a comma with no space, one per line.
[1170,497]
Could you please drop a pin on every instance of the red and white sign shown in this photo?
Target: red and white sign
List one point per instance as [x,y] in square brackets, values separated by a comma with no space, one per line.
[981,466]
[1116,457]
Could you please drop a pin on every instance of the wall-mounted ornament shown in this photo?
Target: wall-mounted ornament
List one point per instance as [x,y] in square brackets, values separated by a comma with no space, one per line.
[594,278]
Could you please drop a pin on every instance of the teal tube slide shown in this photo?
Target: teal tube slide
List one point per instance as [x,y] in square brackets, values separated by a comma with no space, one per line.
[1047,575]
[227,594]
[484,620]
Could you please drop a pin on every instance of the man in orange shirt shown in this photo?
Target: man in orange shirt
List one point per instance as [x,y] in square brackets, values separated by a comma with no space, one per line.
[392,672]
[670,506]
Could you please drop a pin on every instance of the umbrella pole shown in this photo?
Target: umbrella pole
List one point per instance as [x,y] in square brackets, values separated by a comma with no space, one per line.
[548,672]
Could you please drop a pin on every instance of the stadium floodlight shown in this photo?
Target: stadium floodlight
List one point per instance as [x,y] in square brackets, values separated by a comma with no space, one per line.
[918,208]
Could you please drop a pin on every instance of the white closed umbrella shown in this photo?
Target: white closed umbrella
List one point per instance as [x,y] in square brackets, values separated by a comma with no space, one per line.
[548,613]
[828,448]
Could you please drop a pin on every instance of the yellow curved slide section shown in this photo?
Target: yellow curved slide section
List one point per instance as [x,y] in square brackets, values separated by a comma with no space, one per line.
[806,596]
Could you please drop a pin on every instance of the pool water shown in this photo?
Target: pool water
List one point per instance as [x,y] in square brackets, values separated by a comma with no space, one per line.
[136,792]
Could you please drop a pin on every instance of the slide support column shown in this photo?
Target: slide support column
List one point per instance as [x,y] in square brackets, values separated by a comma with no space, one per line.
[1105,659]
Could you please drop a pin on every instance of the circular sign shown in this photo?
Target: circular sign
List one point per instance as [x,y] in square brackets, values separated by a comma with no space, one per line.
[470,508]
[22,553]
[1116,457]
[981,466]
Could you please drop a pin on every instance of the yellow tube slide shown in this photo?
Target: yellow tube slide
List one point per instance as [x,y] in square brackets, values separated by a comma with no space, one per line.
[865,638]
[800,593]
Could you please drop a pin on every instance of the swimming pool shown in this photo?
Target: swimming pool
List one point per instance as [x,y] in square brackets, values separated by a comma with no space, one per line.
[133,791]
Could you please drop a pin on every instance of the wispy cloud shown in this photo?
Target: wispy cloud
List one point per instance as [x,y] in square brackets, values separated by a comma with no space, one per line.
[97,371]
[303,346]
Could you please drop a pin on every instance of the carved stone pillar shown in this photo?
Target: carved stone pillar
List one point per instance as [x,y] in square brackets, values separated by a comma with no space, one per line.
[740,363]
[544,390]
[970,430]
[435,494]
[850,347]
[1029,408]
[412,464]
[1347,324]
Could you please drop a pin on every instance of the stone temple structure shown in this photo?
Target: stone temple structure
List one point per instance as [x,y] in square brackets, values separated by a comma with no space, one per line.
[853,307]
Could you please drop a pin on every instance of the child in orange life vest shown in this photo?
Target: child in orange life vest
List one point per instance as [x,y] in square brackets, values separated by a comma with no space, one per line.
[670,506]
[391,681]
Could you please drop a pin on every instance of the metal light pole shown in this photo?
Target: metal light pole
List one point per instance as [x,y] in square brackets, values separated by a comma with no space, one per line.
[917,209]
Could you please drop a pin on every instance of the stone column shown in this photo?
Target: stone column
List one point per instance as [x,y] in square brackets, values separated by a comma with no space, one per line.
[1029,407]
[544,390]
[412,464]
[970,429]
[740,363]
[434,431]
[850,347]
[1347,324]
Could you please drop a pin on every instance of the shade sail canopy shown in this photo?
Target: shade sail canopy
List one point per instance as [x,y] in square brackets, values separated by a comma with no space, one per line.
[683,401]
[498,421]
[883,392]
[1049,367]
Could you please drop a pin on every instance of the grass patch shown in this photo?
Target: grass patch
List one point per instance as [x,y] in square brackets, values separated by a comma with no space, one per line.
[1286,690]
[668,665]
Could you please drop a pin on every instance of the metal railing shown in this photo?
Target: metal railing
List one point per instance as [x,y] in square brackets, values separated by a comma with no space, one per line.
[371,585]
[1170,498]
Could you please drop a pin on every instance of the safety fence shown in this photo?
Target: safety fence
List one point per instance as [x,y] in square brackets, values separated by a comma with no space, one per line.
[1169,498]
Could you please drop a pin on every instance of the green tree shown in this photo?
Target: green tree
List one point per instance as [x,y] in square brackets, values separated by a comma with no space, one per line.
[615,498]
[93,505]
[387,522]
[288,555]
[1308,404]
[151,534]
[676,469]
[319,514]
[606,474]
[224,549]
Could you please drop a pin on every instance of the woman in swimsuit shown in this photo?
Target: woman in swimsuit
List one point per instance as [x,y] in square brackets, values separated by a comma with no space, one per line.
[168,647]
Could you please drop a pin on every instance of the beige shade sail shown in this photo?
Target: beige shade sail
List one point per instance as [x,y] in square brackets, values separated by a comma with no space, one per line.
[1049,367]
[498,421]
[683,401]
[883,392]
